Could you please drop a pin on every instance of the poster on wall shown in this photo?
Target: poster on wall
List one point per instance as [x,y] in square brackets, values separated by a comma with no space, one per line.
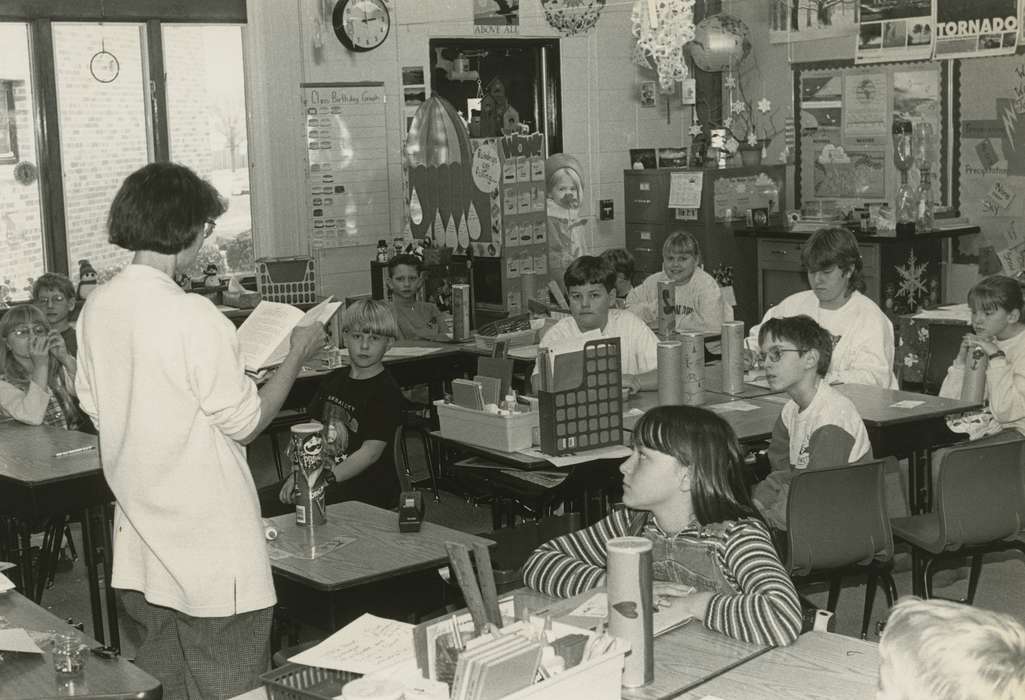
[992,158]
[894,31]
[346,164]
[808,20]
[496,16]
[976,28]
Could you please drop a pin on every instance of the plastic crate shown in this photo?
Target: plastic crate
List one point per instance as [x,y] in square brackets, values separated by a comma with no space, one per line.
[507,433]
[597,679]
[298,682]
[512,340]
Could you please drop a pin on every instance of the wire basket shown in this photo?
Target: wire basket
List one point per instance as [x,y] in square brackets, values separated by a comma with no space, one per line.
[298,682]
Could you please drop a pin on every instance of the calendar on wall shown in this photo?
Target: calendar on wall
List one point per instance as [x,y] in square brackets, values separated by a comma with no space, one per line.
[346,185]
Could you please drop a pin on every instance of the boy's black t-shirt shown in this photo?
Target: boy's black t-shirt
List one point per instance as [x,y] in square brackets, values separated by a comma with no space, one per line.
[354,411]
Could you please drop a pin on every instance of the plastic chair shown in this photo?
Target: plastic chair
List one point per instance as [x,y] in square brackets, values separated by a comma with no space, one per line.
[980,508]
[400,455]
[837,525]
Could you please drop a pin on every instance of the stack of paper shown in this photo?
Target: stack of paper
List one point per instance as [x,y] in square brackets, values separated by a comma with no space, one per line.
[495,668]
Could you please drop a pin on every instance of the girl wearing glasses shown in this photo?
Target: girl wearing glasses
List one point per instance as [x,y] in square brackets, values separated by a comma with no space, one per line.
[37,373]
[684,490]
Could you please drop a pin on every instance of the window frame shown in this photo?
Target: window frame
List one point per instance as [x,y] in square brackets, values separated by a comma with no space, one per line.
[10,155]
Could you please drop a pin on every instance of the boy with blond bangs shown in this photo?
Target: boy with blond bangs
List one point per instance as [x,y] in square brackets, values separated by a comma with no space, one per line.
[699,303]
[943,650]
[818,427]
[360,407]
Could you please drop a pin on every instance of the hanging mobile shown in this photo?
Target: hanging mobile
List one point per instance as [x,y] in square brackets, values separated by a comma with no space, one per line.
[104,65]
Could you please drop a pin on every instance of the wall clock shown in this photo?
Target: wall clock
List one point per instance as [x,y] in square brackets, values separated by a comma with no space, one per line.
[361,25]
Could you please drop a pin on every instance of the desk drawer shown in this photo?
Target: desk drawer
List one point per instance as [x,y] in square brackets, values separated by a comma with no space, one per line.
[785,254]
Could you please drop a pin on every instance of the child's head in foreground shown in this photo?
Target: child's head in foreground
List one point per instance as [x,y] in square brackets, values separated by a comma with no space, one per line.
[792,348]
[18,327]
[708,462]
[590,288]
[996,303]
[681,255]
[404,277]
[54,294]
[622,263]
[942,650]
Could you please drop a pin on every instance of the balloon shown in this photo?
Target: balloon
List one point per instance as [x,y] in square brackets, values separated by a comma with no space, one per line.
[720,41]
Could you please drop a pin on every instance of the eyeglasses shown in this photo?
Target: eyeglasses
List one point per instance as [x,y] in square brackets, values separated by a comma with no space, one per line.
[774,354]
[55,299]
[209,227]
[25,331]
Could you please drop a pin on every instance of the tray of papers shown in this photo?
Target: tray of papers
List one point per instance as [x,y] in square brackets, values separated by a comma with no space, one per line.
[298,682]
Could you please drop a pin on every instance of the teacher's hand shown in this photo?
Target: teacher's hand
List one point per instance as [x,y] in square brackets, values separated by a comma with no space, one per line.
[308,340]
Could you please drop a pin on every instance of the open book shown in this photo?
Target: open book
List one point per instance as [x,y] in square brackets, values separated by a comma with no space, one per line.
[264,336]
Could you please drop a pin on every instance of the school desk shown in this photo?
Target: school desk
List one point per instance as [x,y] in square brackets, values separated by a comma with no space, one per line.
[320,592]
[24,676]
[36,484]
[818,665]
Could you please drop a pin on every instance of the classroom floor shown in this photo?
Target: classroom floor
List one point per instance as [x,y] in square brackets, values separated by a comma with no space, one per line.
[1000,587]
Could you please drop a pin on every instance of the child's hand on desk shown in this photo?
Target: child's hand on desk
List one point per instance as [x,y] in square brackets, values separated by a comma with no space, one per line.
[675,595]
[630,385]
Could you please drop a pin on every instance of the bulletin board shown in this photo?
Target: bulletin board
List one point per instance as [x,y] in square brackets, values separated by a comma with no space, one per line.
[346,185]
[845,146]
[992,158]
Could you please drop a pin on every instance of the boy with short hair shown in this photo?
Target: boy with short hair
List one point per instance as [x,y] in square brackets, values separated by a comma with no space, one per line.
[699,303]
[54,294]
[590,287]
[943,650]
[620,260]
[360,407]
[415,319]
[818,426]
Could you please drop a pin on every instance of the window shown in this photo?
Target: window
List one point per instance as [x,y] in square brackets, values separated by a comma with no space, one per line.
[8,124]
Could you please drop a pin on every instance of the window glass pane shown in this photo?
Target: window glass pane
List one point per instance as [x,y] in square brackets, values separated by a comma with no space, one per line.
[21,233]
[104,133]
[206,114]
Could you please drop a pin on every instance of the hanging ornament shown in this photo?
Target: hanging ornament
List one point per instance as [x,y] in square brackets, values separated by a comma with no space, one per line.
[738,107]
[572,17]
[662,30]
[104,65]
[730,80]
[719,42]
[639,58]
[764,105]
[695,129]
[727,122]
[752,139]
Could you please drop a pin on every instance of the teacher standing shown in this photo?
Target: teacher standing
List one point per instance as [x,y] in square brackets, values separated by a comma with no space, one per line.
[161,375]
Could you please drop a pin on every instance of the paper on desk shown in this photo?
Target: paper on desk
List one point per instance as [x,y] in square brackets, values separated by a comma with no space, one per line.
[954,312]
[523,352]
[546,480]
[611,452]
[906,404]
[664,618]
[365,645]
[6,584]
[17,639]
[729,406]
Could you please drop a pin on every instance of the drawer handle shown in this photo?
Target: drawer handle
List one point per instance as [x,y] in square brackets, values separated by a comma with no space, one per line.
[778,252]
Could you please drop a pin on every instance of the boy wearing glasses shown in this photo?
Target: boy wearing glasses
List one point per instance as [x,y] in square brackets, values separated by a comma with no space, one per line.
[818,426]
[54,294]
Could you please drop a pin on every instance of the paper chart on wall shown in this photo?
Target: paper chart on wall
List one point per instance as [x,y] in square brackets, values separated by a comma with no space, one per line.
[900,31]
[346,184]
[977,28]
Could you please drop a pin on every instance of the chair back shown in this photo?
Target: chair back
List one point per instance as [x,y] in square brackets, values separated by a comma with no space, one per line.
[513,545]
[980,496]
[400,456]
[836,517]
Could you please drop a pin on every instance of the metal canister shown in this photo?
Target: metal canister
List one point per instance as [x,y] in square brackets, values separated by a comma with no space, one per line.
[666,308]
[306,447]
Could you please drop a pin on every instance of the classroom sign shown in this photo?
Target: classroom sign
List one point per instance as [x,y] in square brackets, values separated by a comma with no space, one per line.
[976,28]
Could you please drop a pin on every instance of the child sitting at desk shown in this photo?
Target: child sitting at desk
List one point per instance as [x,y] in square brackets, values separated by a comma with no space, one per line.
[699,303]
[590,286]
[360,407]
[997,307]
[37,373]
[622,262]
[684,490]
[943,650]
[818,426]
[54,294]
[415,319]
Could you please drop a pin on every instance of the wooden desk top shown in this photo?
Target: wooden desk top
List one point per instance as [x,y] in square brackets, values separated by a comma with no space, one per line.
[748,425]
[379,551]
[713,383]
[28,453]
[876,405]
[818,665]
[24,676]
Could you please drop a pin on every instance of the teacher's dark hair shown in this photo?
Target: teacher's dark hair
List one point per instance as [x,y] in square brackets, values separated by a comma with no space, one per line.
[162,207]
[707,444]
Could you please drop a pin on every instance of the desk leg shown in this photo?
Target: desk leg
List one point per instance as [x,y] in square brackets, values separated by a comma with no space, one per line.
[23,537]
[91,574]
[108,563]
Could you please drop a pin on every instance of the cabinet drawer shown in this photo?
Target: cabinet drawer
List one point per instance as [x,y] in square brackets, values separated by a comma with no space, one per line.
[645,236]
[646,261]
[779,254]
[646,195]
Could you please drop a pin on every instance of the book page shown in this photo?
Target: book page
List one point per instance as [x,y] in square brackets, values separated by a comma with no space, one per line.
[261,335]
[322,312]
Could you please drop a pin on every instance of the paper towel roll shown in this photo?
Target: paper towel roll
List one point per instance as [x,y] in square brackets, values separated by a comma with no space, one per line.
[693,368]
[973,388]
[670,373]
[629,586]
[733,357]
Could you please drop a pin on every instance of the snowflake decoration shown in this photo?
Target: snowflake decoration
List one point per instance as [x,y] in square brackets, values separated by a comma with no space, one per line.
[727,122]
[752,140]
[738,107]
[730,81]
[912,283]
[695,129]
[764,105]
[923,334]
[910,360]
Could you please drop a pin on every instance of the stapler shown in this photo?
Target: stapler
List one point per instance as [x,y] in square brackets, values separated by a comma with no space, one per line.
[411,511]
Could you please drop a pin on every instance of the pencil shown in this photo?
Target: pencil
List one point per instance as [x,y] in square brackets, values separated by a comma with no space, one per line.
[75,451]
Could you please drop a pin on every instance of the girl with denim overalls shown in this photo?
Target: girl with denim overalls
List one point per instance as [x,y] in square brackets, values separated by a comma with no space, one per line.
[684,489]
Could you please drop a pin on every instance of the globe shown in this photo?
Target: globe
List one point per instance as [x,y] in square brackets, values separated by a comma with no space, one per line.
[720,41]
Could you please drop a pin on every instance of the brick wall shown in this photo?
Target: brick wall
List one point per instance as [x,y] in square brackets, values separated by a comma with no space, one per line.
[20,227]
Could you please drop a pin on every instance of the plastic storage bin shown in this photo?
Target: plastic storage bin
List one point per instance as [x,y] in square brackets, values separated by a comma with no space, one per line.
[507,433]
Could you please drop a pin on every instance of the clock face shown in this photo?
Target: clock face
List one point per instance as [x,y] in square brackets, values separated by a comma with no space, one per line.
[361,25]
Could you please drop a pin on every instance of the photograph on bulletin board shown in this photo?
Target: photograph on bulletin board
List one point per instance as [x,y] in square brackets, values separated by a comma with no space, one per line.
[809,20]
[894,31]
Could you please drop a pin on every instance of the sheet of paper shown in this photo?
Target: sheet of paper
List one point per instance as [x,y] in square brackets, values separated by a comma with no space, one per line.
[6,584]
[322,312]
[523,352]
[547,480]
[365,645]
[663,619]
[685,189]
[957,312]
[611,452]
[17,639]
[263,336]
[906,404]
[729,406]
